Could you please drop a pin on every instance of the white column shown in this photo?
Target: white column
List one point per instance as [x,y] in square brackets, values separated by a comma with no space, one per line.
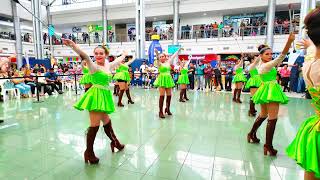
[313,4]
[140,29]
[34,24]
[17,32]
[176,4]
[40,39]
[49,19]
[303,13]
[270,28]
[104,22]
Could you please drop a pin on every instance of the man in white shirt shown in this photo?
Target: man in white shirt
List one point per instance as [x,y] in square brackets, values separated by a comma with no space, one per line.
[144,69]
[153,73]
[136,77]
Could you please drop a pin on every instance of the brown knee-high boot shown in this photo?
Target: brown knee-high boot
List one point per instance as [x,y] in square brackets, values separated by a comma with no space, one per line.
[129,97]
[235,92]
[238,96]
[168,103]
[161,100]
[115,90]
[252,136]
[252,111]
[114,141]
[89,156]
[268,147]
[120,98]
[181,96]
[185,95]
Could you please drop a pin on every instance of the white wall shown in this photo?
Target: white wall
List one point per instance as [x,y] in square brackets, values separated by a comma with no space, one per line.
[22,13]
[200,20]
[8,48]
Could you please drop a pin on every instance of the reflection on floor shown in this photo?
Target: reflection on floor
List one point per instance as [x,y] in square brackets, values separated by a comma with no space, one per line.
[205,139]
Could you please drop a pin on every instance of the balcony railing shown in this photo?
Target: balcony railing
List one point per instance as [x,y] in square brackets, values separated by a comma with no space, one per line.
[92,38]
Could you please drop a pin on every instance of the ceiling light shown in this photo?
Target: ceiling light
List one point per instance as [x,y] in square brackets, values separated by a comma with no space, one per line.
[204,14]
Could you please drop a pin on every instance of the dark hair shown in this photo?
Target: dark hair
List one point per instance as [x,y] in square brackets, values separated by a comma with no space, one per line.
[106,50]
[312,23]
[262,48]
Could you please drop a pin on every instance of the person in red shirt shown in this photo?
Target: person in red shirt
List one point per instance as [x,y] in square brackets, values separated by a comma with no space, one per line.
[285,77]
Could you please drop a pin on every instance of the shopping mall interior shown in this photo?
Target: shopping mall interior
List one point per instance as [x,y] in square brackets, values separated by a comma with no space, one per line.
[195,90]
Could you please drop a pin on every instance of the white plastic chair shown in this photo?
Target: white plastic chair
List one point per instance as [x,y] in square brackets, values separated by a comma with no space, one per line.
[12,91]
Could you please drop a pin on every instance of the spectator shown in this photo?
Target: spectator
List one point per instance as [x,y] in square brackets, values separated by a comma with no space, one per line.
[43,68]
[53,80]
[191,75]
[228,80]
[153,73]
[301,84]
[29,80]
[188,29]
[45,36]
[294,76]
[137,77]
[217,75]
[285,78]
[208,73]
[220,29]
[19,83]
[199,75]
[285,25]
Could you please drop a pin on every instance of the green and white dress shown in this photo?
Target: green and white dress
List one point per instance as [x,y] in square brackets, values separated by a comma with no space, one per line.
[239,77]
[270,90]
[164,80]
[86,78]
[254,80]
[99,97]
[305,148]
[183,78]
[123,73]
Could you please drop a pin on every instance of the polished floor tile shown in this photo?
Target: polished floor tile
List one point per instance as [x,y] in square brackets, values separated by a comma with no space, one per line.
[205,139]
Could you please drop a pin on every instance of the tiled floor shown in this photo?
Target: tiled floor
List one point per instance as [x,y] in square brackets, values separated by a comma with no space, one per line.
[205,139]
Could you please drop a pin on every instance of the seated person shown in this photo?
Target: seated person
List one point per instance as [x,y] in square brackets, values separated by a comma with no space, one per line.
[19,84]
[53,80]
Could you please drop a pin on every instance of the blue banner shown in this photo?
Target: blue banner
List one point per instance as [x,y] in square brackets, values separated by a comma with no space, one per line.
[155,44]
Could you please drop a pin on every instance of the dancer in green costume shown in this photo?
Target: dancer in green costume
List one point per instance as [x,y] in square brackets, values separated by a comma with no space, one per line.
[269,95]
[164,81]
[98,99]
[86,78]
[253,84]
[183,80]
[116,84]
[239,79]
[124,79]
[305,148]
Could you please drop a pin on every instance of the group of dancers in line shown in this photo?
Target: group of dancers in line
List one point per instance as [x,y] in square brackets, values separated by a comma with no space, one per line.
[264,89]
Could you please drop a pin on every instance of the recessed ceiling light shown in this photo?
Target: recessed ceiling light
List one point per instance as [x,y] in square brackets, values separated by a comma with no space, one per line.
[204,14]
[155,18]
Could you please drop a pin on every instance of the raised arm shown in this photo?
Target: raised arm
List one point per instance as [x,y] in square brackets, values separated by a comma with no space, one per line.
[255,63]
[84,56]
[174,56]
[157,56]
[118,60]
[186,65]
[131,61]
[239,65]
[266,67]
